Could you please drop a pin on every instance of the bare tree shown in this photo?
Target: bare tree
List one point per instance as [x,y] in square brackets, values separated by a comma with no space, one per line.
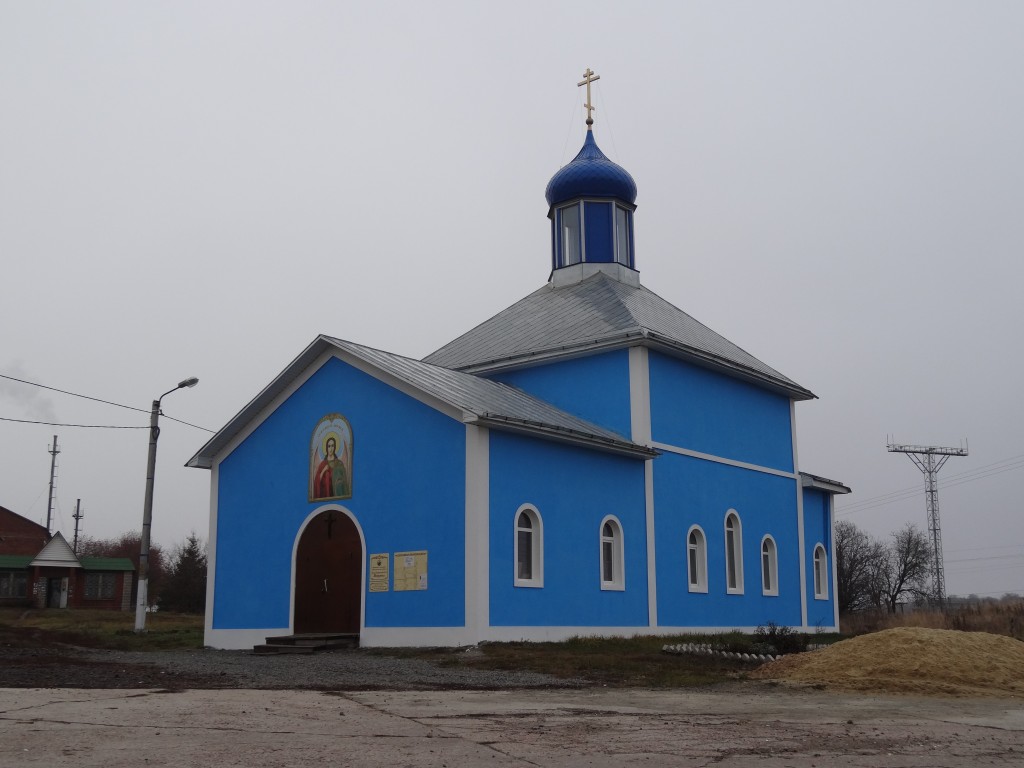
[858,558]
[126,545]
[906,566]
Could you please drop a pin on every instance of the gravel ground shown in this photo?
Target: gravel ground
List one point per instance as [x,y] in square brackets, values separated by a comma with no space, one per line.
[204,669]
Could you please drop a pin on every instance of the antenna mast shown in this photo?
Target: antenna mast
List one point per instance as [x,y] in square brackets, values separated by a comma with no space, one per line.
[929,459]
[79,514]
[54,450]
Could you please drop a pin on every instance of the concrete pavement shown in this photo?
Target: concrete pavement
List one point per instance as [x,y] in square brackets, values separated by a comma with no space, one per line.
[741,726]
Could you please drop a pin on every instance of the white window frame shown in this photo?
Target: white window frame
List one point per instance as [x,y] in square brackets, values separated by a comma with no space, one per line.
[734,552]
[621,258]
[819,564]
[770,586]
[536,547]
[617,549]
[697,560]
[562,261]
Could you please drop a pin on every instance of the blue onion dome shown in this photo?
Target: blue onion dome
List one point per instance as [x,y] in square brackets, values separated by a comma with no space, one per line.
[591,174]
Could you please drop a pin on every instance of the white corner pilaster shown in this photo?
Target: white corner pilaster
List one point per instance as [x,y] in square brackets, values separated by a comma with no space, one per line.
[478,513]
[832,557]
[211,555]
[799,516]
[640,432]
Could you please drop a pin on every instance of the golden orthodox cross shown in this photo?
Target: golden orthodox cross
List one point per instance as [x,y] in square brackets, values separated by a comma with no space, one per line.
[588,78]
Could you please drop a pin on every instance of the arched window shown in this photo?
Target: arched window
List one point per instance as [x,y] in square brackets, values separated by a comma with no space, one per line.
[733,553]
[769,567]
[820,573]
[697,560]
[612,572]
[529,549]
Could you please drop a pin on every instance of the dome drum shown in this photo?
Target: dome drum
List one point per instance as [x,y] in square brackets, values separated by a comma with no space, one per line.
[591,210]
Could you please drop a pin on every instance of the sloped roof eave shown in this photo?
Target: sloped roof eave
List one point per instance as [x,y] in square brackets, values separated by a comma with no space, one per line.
[203,459]
[560,434]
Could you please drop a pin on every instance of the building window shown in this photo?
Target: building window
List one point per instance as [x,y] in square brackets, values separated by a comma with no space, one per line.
[769,567]
[569,241]
[820,573]
[622,236]
[697,560]
[733,553]
[13,583]
[612,573]
[529,549]
[100,586]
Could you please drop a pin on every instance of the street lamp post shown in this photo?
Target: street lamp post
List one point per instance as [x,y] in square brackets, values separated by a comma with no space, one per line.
[147,513]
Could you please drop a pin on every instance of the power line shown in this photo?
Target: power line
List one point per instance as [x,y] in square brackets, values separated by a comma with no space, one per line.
[979,473]
[83,426]
[187,424]
[95,399]
[1014,460]
[73,394]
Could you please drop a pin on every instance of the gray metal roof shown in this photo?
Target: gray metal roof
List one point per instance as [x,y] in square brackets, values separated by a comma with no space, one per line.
[596,313]
[488,401]
[480,401]
[807,480]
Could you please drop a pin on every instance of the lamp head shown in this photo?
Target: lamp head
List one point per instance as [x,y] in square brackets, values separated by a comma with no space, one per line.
[189,382]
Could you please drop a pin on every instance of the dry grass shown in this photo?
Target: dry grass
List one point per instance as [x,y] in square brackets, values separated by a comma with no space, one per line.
[997,618]
[911,660]
[99,629]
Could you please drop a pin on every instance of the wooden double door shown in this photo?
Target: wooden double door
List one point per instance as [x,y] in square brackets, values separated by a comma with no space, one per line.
[328,576]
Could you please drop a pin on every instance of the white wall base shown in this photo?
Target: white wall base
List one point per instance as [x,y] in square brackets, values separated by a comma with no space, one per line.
[454,637]
[238,639]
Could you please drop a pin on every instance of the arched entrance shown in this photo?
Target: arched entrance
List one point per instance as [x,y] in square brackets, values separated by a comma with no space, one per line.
[328,575]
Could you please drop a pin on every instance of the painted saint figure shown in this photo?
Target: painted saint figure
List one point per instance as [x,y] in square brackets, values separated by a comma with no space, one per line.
[331,460]
[332,475]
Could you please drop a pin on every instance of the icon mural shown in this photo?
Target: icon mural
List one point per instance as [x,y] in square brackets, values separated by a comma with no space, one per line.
[330,459]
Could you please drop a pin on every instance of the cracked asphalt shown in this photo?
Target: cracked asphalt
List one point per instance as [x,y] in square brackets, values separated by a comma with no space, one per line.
[741,725]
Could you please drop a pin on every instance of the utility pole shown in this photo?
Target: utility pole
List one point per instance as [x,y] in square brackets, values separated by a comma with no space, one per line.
[78,516]
[54,450]
[929,459]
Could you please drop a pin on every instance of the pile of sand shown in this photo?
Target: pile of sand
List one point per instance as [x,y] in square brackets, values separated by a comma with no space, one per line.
[911,660]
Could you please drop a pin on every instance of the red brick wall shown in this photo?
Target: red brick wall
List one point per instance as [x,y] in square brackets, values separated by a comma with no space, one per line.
[19,535]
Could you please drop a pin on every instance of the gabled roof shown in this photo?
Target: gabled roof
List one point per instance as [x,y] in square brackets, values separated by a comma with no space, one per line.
[599,313]
[475,400]
[57,553]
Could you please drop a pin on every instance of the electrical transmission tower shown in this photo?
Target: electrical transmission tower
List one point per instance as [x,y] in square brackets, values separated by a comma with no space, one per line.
[929,459]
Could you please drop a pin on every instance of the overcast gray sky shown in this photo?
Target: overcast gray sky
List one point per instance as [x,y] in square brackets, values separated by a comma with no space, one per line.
[200,188]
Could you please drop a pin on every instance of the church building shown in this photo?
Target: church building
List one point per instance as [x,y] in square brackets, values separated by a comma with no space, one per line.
[589,461]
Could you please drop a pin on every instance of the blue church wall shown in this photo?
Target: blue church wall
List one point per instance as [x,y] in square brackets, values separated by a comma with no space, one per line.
[690,491]
[600,241]
[573,489]
[705,411]
[408,494]
[818,530]
[595,388]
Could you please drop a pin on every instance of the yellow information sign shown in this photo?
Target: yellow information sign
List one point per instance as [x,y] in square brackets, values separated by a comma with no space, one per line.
[379,567]
[410,571]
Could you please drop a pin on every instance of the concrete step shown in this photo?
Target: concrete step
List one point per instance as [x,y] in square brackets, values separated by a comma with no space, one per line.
[308,643]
